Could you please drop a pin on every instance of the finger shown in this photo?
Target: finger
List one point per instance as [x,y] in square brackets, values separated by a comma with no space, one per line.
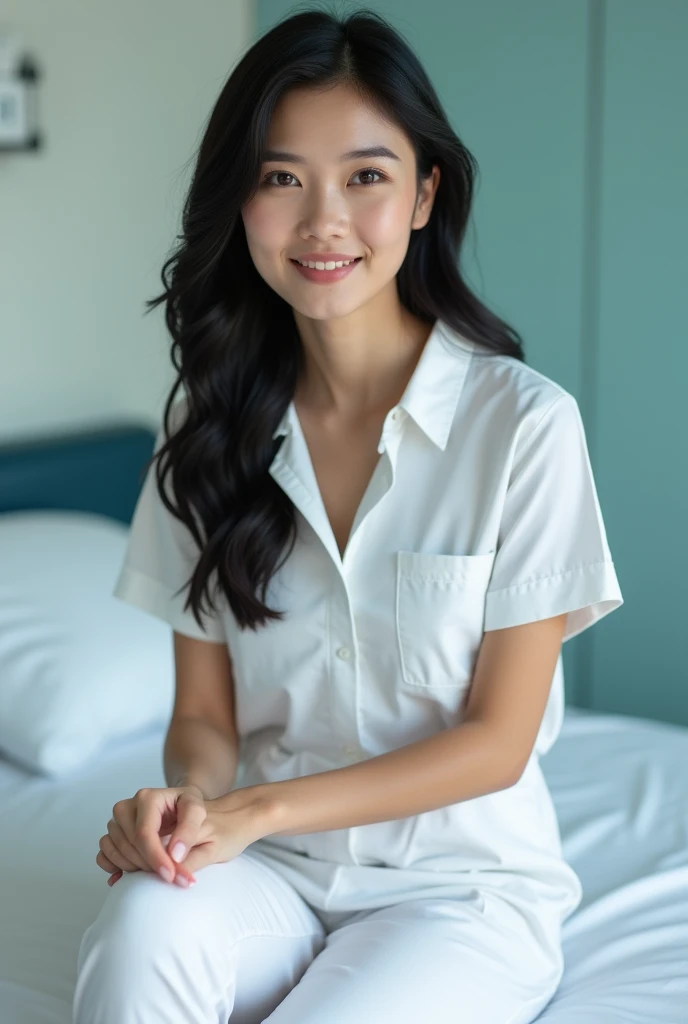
[115,855]
[191,815]
[124,816]
[103,862]
[150,805]
[115,877]
[168,834]
[119,838]
[122,827]
[124,813]
[199,857]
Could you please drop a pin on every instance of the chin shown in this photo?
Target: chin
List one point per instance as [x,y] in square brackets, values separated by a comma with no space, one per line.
[325,311]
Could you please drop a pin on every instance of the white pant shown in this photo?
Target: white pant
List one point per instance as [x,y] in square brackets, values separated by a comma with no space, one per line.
[242,944]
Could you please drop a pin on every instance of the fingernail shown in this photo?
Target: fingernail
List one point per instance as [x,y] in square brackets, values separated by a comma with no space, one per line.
[181,880]
[165,874]
[178,851]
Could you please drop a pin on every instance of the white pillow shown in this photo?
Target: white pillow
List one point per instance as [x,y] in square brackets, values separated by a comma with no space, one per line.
[78,667]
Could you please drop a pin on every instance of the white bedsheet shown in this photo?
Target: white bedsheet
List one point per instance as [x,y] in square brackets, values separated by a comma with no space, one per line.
[620,786]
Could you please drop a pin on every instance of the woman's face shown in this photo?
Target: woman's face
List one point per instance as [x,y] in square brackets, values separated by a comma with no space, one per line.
[320,199]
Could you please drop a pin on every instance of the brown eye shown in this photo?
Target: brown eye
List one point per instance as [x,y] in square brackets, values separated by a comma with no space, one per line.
[272,175]
[370,170]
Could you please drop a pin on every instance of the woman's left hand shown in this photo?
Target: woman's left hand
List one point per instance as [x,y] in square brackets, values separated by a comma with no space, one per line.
[223,834]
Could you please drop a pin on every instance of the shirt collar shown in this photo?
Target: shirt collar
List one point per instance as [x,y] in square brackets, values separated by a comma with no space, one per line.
[432,394]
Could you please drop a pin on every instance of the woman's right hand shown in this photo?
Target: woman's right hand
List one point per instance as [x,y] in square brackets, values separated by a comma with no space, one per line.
[135,832]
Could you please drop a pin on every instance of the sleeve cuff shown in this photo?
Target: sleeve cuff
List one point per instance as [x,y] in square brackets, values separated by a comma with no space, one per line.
[587,593]
[152,596]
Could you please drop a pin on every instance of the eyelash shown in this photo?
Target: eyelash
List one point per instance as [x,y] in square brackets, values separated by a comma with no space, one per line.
[364,170]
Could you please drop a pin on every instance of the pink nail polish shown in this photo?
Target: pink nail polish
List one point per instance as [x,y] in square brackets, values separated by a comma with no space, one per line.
[166,874]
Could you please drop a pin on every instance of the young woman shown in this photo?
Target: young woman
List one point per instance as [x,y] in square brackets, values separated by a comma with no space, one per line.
[388,525]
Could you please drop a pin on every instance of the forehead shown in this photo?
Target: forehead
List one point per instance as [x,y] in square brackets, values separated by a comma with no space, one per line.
[328,122]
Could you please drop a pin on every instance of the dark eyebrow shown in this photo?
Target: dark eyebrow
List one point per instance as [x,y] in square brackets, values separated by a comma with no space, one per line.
[354,154]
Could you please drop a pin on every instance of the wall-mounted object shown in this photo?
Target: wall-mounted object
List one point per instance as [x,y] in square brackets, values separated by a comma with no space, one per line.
[19,76]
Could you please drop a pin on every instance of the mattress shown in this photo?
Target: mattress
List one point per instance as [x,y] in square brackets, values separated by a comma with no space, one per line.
[620,788]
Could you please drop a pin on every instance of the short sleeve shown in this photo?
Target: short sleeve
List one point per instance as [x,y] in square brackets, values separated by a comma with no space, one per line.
[552,553]
[160,557]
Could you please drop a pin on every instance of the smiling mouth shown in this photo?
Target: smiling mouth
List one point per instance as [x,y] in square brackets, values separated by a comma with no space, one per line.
[338,264]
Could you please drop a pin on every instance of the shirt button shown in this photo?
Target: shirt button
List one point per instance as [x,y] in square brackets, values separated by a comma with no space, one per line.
[344,653]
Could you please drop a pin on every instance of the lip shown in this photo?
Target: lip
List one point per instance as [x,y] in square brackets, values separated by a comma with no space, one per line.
[324,276]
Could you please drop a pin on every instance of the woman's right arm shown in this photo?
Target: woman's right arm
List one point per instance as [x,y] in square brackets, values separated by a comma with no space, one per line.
[201,749]
[202,744]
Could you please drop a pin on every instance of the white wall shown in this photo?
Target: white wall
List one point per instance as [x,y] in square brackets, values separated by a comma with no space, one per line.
[87,221]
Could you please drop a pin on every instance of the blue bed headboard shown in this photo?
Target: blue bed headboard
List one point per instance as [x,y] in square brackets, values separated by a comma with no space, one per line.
[97,469]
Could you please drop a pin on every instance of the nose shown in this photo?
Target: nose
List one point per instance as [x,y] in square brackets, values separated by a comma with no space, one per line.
[325,215]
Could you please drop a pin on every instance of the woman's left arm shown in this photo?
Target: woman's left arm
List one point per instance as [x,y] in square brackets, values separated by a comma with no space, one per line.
[486,752]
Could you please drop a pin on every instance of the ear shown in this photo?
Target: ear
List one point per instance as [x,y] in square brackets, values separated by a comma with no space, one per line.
[426,198]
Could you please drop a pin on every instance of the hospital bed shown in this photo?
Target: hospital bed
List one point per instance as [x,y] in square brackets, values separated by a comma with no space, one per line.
[619,785]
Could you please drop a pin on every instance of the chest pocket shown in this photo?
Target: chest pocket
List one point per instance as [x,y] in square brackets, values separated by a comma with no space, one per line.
[440,612]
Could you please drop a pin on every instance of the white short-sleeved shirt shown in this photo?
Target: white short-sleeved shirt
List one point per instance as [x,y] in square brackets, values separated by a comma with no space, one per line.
[481,513]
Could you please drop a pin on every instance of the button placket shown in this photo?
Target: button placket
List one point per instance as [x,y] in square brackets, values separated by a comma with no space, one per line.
[389,444]
[346,654]
[341,636]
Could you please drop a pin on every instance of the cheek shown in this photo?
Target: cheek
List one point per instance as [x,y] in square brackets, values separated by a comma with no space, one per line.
[386,224]
[262,223]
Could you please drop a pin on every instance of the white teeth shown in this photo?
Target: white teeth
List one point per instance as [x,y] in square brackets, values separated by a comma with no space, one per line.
[330,265]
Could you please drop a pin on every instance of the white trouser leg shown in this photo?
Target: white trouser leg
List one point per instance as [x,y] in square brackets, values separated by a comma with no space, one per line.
[426,961]
[233,944]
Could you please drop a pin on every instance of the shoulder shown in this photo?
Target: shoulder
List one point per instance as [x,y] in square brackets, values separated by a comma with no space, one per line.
[520,399]
[516,381]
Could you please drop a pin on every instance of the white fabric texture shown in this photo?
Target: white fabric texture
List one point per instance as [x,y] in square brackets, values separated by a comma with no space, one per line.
[620,790]
[481,513]
[77,668]
[271,959]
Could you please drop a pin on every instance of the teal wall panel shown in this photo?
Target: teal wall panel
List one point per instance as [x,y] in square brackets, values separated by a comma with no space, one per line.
[642,370]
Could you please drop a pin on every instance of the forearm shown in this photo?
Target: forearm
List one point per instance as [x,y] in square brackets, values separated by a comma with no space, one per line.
[196,753]
[456,764]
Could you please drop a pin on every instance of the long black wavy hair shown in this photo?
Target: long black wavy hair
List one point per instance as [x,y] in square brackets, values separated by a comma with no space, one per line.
[236,347]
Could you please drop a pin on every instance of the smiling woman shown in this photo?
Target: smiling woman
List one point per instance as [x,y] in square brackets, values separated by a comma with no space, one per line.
[395,524]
